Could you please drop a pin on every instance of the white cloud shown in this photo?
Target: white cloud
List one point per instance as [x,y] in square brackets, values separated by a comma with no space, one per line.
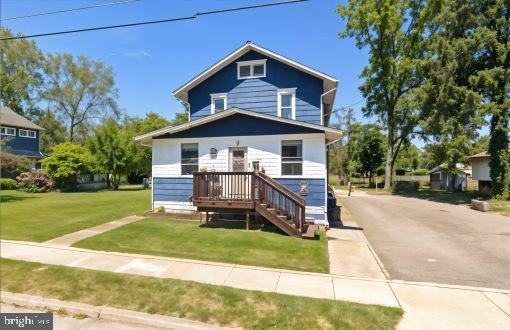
[135,54]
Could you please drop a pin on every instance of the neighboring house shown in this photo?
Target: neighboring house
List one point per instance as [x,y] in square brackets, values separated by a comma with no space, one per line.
[443,179]
[252,110]
[481,171]
[20,136]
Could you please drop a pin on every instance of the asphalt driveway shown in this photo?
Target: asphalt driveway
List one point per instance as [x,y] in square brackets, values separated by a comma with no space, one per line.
[424,241]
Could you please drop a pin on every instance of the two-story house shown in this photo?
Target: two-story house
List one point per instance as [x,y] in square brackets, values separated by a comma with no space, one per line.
[256,140]
[20,136]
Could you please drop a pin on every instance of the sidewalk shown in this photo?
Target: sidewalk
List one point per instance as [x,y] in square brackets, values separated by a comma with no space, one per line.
[426,305]
[70,239]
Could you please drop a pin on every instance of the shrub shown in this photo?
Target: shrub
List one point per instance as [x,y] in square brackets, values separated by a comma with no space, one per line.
[65,163]
[8,184]
[405,186]
[160,209]
[15,164]
[34,182]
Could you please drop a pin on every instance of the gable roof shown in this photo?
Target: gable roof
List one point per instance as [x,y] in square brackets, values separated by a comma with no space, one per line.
[483,154]
[11,118]
[146,139]
[329,82]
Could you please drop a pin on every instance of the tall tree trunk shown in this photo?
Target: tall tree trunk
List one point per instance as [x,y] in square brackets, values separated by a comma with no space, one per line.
[390,153]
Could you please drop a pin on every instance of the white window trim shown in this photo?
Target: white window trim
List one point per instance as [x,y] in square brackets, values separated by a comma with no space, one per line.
[286,91]
[6,128]
[251,64]
[218,96]
[180,161]
[26,132]
[302,161]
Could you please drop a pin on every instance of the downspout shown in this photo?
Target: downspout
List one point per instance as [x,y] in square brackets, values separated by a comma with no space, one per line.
[322,104]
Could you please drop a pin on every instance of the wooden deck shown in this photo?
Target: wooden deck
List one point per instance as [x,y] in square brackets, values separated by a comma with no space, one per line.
[251,192]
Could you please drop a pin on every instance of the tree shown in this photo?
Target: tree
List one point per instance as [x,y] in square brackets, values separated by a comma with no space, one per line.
[393,32]
[142,156]
[111,147]
[492,81]
[55,132]
[20,74]
[371,152]
[451,105]
[339,152]
[65,163]
[81,90]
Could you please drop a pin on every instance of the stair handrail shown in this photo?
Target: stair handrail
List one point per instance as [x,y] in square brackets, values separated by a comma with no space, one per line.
[281,188]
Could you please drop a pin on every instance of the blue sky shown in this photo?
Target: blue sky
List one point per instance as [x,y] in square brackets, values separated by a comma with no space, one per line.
[151,61]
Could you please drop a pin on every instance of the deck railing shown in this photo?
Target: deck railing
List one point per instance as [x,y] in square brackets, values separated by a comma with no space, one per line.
[253,187]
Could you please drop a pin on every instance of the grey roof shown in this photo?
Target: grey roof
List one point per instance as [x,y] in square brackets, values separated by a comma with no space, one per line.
[482,154]
[11,118]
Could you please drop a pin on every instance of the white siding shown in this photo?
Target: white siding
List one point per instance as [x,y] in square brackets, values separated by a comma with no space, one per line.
[265,149]
[480,168]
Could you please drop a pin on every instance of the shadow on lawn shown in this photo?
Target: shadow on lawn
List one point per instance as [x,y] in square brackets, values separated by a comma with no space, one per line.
[241,225]
[13,198]
[441,196]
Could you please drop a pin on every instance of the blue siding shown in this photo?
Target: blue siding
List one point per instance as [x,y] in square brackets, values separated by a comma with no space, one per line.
[172,189]
[240,125]
[179,190]
[259,94]
[20,145]
[315,196]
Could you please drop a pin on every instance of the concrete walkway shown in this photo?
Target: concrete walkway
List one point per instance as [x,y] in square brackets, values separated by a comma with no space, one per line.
[70,239]
[350,254]
[426,305]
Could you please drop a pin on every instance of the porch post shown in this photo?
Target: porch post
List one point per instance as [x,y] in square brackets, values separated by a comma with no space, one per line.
[247,220]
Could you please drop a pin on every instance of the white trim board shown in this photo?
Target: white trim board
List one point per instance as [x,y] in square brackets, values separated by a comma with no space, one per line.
[146,139]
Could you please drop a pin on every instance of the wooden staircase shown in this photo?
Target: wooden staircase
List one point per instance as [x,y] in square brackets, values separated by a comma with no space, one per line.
[253,191]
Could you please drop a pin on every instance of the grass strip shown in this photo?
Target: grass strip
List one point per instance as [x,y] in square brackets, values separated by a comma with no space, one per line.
[195,301]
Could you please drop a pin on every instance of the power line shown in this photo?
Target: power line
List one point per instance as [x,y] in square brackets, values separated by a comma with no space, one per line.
[157,21]
[69,10]
[347,107]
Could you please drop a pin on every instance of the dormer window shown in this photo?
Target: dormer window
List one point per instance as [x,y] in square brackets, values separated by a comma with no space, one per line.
[287,103]
[218,102]
[251,69]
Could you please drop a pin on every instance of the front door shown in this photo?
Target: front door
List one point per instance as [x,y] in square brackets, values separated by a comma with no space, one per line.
[238,159]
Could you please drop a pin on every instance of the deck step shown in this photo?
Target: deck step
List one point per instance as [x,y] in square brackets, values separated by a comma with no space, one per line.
[310,231]
[310,220]
[272,210]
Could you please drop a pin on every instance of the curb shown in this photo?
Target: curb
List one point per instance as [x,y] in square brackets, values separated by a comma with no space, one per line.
[102,312]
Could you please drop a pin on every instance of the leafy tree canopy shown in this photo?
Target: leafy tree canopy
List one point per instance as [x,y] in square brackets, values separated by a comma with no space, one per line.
[65,163]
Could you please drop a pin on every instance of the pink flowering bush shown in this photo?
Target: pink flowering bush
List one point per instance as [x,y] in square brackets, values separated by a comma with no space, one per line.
[34,182]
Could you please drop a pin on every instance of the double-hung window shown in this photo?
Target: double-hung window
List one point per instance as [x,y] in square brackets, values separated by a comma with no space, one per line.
[27,133]
[251,69]
[189,158]
[218,102]
[287,103]
[9,131]
[292,157]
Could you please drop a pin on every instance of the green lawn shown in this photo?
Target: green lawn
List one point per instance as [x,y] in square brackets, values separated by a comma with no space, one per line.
[40,217]
[202,302]
[188,239]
